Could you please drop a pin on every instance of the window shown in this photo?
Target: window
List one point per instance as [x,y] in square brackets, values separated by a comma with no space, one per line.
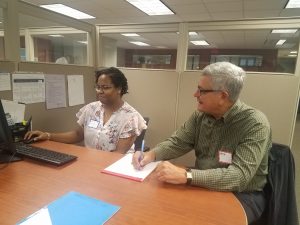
[46,41]
[254,50]
[239,60]
[22,48]
[140,50]
[60,47]
[193,62]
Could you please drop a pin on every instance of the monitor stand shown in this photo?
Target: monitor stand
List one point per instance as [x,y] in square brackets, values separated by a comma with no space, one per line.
[6,158]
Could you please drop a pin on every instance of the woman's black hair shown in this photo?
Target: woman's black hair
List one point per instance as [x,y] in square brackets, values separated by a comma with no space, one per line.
[117,78]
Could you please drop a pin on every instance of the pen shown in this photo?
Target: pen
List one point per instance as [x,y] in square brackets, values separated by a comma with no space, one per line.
[142,151]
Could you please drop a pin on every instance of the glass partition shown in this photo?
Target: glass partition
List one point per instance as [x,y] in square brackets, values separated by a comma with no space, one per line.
[255,50]
[22,48]
[63,48]
[46,41]
[140,50]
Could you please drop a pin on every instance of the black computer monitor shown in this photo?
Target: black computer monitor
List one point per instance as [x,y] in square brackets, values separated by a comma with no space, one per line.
[7,146]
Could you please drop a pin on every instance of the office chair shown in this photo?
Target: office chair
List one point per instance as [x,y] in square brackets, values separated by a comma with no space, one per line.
[281,206]
[140,138]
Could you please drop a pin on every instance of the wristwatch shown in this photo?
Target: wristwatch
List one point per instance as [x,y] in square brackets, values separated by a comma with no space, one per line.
[189,176]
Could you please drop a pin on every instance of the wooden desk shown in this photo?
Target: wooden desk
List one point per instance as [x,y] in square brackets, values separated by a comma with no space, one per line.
[27,186]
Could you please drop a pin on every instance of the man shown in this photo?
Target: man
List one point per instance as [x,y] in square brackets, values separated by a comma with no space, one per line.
[231,142]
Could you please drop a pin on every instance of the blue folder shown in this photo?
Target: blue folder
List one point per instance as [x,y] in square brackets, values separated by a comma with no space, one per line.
[75,209]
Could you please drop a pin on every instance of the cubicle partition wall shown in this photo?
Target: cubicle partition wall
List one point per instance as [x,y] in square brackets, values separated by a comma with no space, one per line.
[59,119]
[277,96]
[153,93]
[166,97]
[157,94]
[7,67]
[274,94]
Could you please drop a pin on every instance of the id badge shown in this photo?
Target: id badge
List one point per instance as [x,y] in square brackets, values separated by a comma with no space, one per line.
[93,124]
[225,157]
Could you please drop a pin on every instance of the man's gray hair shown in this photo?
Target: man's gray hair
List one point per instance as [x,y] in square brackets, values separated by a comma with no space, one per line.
[226,76]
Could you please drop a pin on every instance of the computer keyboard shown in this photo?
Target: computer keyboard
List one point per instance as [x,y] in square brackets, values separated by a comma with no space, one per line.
[45,155]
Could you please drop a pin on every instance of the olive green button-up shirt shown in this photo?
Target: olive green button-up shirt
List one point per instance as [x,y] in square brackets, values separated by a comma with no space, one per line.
[243,134]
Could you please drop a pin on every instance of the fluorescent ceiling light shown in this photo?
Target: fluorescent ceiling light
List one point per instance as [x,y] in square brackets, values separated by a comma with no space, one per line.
[83,42]
[192,33]
[284,31]
[151,7]
[139,43]
[68,11]
[199,42]
[55,35]
[161,47]
[293,52]
[290,55]
[280,42]
[131,35]
[293,4]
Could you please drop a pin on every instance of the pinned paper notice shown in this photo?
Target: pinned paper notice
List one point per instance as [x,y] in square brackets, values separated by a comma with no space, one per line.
[16,110]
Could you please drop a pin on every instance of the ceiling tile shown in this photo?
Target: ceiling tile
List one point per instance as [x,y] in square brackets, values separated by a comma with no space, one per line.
[221,1]
[189,9]
[229,6]
[181,2]
[264,5]
[261,13]
[195,17]
[290,12]
[233,15]
[117,11]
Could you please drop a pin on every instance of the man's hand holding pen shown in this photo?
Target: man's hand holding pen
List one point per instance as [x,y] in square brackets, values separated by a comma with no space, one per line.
[141,158]
[142,151]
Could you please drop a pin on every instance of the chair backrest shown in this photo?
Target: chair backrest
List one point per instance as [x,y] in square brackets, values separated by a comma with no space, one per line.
[140,138]
[280,187]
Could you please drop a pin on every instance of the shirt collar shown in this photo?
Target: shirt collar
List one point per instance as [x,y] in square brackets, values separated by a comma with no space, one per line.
[123,107]
[234,109]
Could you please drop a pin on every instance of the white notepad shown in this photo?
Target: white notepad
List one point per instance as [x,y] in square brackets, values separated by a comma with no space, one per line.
[124,168]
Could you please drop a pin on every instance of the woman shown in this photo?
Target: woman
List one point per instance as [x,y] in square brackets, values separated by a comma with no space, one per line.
[109,124]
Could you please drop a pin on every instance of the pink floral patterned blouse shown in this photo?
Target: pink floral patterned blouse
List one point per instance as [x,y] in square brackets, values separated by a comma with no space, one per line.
[123,123]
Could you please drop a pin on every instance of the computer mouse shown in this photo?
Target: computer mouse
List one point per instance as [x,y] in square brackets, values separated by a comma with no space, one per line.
[29,141]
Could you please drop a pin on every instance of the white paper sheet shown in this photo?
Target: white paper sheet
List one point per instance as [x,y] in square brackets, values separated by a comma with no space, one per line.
[16,110]
[5,82]
[55,91]
[28,88]
[124,168]
[75,90]
[41,217]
